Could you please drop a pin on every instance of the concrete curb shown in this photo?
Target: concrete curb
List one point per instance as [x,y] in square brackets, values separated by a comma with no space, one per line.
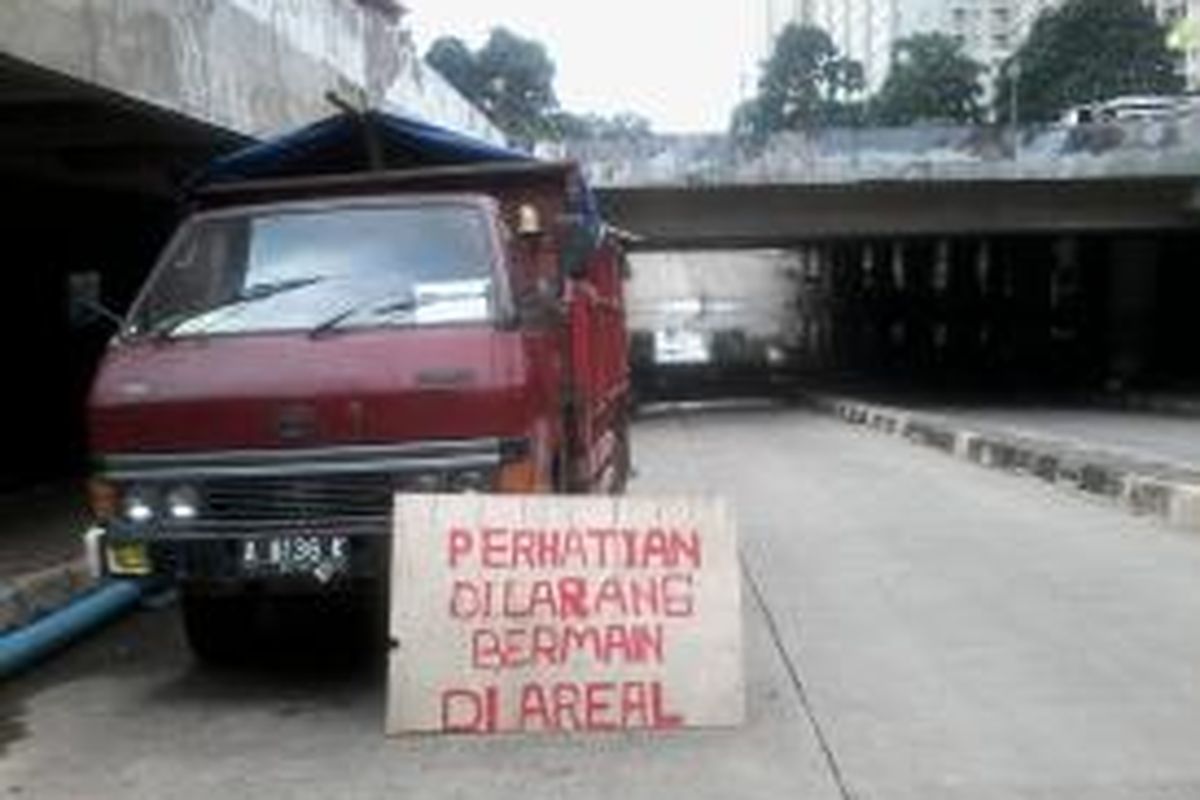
[29,597]
[1170,492]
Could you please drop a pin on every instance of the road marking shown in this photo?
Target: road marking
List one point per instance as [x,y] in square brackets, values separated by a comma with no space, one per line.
[793,671]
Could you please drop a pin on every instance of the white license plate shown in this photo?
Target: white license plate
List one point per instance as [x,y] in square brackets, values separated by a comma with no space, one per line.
[681,347]
[323,556]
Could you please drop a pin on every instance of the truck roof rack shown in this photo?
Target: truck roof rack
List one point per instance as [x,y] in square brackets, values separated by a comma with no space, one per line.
[441,178]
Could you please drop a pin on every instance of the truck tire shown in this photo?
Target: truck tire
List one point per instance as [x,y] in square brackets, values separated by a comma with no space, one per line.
[220,630]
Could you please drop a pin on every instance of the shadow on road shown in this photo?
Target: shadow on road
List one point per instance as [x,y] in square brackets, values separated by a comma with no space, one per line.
[323,658]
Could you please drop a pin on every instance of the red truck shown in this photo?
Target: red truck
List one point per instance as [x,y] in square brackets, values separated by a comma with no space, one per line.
[308,346]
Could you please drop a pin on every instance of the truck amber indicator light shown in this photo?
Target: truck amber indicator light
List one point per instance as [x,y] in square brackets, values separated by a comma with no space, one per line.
[102,499]
[519,477]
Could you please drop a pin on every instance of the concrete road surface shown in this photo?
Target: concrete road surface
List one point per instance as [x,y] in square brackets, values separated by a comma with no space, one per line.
[916,628]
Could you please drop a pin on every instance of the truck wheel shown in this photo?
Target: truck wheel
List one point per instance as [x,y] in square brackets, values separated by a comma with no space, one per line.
[220,630]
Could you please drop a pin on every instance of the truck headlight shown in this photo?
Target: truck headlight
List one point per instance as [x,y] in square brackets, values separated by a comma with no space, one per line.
[138,505]
[183,502]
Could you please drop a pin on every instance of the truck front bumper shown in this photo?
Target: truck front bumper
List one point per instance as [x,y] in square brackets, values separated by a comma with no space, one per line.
[313,518]
[304,558]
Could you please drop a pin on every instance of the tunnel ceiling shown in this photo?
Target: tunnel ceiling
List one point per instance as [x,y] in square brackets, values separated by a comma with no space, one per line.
[57,131]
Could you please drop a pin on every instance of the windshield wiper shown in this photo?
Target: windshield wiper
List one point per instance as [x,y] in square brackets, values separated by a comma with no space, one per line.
[261,291]
[250,294]
[401,302]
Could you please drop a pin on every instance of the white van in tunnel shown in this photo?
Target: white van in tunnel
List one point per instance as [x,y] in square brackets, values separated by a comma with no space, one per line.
[710,323]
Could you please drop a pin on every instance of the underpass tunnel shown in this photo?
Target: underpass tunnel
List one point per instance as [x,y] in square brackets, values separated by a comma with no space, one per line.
[1014,313]
[1006,315]
[89,190]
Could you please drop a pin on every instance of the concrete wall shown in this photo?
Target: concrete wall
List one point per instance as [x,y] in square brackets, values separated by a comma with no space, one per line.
[255,67]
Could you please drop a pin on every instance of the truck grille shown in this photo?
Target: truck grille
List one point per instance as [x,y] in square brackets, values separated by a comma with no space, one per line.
[302,499]
[338,490]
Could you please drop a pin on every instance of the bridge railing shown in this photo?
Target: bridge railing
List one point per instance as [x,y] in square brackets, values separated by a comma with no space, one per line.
[1151,147]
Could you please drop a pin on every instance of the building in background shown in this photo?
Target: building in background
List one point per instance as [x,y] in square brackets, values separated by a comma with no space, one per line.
[867,30]
[862,29]
[990,30]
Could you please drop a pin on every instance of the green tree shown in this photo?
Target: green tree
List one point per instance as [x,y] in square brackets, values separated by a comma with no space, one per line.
[1087,51]
[519,83]
[805,83]
[455,61]
[748,124]
[510,78]
[931,79]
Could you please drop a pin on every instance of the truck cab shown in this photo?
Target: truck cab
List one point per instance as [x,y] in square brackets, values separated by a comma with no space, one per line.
[308,347]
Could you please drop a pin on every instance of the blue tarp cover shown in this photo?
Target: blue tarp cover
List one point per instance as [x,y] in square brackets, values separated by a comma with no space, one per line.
[339,144]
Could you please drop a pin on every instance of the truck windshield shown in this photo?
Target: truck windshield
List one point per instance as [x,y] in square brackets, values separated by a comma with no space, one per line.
[289,270]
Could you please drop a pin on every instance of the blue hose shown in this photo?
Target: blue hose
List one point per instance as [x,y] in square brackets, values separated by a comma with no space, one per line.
[25,646]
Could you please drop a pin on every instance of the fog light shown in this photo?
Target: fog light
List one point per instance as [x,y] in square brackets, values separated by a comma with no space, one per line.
[128,558]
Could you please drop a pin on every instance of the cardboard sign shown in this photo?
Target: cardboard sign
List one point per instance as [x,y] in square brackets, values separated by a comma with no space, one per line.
[552,613]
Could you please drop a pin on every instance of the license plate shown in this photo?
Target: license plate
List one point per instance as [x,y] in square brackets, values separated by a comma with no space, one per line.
[322,556]
[681,347]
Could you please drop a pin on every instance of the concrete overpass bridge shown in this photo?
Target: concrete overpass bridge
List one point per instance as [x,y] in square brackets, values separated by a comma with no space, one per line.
[706,190]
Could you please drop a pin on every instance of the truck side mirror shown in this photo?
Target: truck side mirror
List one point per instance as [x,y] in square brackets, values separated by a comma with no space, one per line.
[84,306]
[529,221]
[576,243]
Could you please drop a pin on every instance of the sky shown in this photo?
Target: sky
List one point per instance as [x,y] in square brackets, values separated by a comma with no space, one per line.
[684,65]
